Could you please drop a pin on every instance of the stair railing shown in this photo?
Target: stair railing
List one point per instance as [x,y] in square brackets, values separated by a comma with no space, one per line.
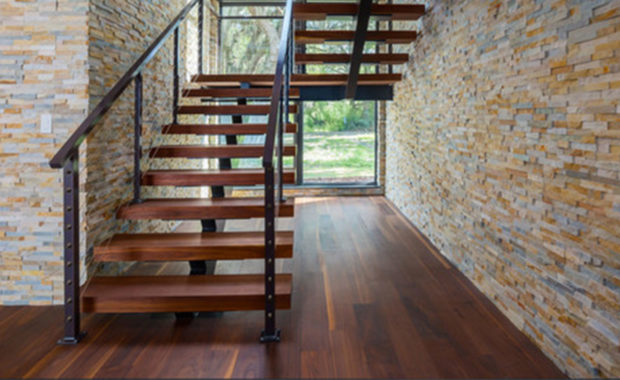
[67,158]
[278,117]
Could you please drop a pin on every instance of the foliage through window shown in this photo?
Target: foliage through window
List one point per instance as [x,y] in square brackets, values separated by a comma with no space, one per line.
[339,137]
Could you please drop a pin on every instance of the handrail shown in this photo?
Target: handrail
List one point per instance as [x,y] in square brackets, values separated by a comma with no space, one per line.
[276,93]
[74,141]
[68,159]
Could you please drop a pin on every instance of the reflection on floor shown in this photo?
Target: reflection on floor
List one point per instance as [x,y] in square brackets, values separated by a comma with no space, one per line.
[371,298]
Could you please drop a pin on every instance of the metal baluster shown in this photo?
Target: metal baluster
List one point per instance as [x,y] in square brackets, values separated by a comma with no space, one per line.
[390,48]
[137,148]
[270,333]
[299,138]
[201,6]
[71,248]
[284,116]
[177,63]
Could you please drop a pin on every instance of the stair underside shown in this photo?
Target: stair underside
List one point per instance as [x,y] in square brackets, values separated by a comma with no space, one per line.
[229,110]
[231,177]
[191,246]
[346,58]
[297,80]
[220,151]
[235,93]
[201,208]
[222,129]
[319,11]
[321,36]
[124,294]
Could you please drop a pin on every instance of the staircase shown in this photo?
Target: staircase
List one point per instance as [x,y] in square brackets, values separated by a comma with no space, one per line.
[269,95]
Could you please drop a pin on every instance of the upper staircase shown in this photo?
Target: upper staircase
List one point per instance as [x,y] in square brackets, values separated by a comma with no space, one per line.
[209,96]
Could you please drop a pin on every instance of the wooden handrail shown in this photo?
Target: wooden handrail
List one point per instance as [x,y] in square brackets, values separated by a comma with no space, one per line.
[276,93]
[71,145]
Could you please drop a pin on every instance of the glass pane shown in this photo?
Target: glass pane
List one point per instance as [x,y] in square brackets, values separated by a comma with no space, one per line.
[254,163]
[250,46]
[252,11]
[339,142]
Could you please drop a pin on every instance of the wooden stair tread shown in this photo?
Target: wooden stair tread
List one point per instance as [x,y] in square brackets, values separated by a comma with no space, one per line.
[341,79]
[229,110]
[321,36]
[230,177]
[191,246]
[201,208]
[139,294]
[297,80]
[234,93]
[219,151]
[233,79]
[319,11]
[346,58]
[222,129]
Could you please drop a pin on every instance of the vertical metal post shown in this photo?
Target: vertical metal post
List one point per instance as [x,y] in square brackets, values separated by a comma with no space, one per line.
[219,36]
[299,162]
[299,158]
[71,204]
[280,148]
[287,100]
[177,64]
[201,17]
[284,117]
[390,67]
[137,147]
[270,333]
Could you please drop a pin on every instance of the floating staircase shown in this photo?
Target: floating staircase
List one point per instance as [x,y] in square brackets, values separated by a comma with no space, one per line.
[237,95]
[209,292]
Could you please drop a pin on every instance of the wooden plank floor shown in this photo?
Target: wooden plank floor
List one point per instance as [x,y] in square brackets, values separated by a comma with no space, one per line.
[370,299]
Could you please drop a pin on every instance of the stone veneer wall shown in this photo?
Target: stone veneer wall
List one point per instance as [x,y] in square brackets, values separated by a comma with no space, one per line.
[43,71]
[120,31]
[503,147]
[60,57]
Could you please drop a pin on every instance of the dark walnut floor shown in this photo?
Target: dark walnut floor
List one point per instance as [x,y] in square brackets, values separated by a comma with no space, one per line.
[371,298]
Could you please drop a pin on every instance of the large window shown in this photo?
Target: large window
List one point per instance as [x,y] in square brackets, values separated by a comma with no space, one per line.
[337,140]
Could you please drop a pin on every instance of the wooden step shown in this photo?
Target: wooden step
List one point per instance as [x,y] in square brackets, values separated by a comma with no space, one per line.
[231,177]
[221,129]
[234,93]
[201,208]
[322,36]
[341,79]
[388,59]
[155,294]
[297,80]
[229,110]
[319,11]
[191,246]
[219,151]
[233,80]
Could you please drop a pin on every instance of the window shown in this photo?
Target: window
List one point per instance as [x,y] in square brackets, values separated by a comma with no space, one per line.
[339,142]
[337,139]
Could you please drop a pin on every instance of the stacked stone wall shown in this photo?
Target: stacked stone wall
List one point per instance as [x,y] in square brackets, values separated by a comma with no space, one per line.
[43,98]
[58,58]
[503,147]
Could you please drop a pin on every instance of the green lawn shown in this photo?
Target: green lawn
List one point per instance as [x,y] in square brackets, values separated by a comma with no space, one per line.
[339,155]
[331,157]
